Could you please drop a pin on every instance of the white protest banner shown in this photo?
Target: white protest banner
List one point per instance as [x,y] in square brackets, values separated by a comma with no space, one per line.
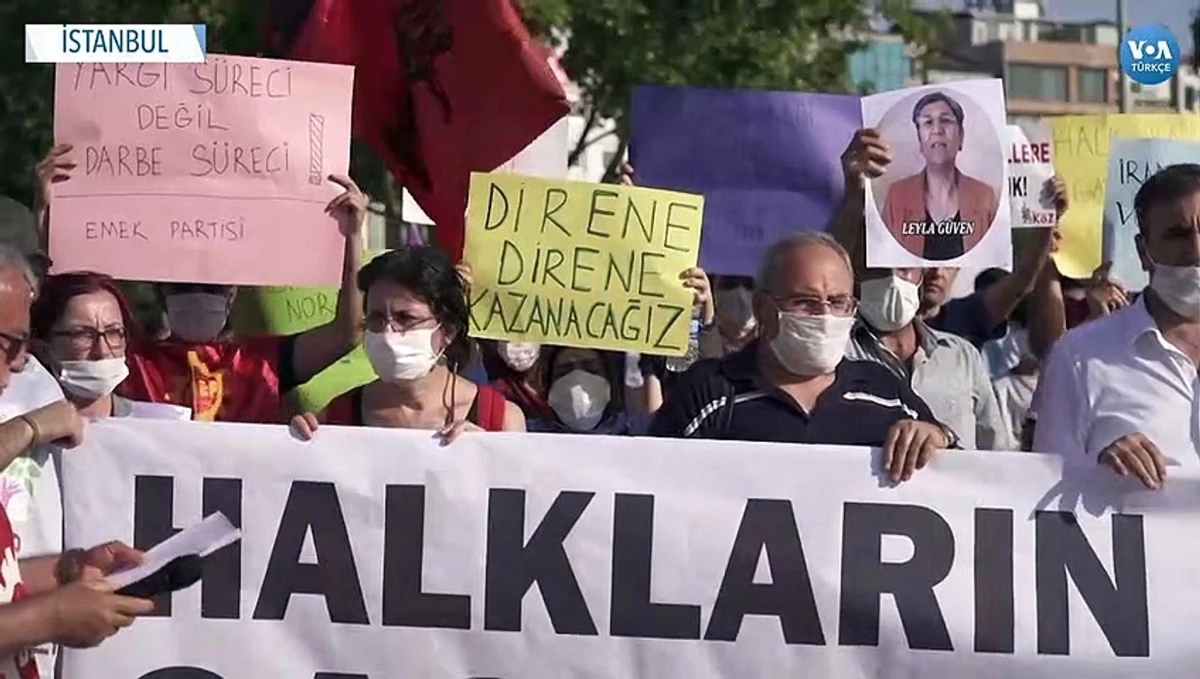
[1130,163]
[545,157]
[377,553]
[1030,166]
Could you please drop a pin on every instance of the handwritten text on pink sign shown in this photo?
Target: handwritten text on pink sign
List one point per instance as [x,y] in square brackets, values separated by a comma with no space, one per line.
[213,172]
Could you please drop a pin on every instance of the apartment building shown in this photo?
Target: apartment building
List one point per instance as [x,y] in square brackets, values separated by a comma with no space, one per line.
[1049,67]
[884,63]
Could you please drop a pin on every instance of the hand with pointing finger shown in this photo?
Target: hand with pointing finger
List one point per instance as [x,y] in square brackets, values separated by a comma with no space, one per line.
[350,207]
[1137,455]
[55,168]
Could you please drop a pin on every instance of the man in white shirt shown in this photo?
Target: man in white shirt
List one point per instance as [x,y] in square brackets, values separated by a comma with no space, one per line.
[55,598]
[1124,389]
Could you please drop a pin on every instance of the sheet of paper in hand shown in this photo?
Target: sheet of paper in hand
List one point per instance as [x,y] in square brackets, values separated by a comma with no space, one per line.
[1030,167]
[200,539]
[943,200]
[213,173]
[581,265]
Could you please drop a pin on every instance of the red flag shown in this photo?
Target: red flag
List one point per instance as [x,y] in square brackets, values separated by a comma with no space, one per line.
[442,88]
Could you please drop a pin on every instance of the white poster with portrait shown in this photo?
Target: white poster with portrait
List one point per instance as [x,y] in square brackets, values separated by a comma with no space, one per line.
[1030,169]
[944,198]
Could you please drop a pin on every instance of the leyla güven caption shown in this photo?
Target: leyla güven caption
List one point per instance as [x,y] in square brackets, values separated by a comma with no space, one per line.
[186,131]
[581,264]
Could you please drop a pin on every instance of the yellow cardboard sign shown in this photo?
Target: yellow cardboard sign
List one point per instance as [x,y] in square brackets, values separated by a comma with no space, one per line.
[1081,160]
[581,264]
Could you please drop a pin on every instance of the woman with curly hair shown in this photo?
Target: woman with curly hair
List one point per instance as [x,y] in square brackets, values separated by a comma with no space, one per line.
[416,318]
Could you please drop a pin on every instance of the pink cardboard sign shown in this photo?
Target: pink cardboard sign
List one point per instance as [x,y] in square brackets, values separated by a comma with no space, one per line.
[208,173]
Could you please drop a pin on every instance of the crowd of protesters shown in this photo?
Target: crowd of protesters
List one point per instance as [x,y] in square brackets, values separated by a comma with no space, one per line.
[817,348]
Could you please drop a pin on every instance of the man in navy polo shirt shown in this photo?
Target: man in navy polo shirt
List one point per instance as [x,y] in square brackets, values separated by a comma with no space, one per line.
[792,385]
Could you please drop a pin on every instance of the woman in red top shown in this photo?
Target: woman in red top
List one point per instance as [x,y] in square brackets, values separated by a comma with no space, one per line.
[200,365]
[416,319]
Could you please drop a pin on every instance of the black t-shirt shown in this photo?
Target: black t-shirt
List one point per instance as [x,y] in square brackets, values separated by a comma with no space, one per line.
[939,246]
[653,365]
[858,409]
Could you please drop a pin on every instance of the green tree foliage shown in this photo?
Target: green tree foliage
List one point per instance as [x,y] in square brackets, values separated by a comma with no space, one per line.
[614,45]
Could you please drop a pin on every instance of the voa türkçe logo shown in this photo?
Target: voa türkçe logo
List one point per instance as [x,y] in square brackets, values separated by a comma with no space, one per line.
[1149,54]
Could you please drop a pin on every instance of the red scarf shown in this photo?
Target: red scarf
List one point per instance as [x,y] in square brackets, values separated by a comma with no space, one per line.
[220,381]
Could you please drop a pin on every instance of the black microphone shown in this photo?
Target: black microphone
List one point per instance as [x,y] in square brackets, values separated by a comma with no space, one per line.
[179,573]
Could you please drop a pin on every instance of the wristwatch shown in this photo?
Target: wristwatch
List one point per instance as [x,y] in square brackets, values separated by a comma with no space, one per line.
[952,440]
[69,566]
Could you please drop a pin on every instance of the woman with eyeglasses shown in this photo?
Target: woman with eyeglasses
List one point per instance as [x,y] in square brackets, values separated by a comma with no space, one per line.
[81,325]
[197,360]
[415,322]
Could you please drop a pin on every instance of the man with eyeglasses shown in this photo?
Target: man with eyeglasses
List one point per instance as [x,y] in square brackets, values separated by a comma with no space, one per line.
[60,598]
[792,384]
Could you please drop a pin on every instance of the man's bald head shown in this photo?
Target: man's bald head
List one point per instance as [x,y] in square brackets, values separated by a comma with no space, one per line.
[778,258]
[15,265]
[17,286]
[802,269]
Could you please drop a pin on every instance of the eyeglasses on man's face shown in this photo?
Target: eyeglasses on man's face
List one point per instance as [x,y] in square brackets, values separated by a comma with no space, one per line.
[837,305]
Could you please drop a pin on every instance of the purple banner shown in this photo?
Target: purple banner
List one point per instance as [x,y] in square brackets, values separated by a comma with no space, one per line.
[767,163]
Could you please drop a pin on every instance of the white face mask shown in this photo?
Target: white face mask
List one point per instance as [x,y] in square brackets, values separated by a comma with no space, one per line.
[93,379]
[1179,288]
[197,316]
[811,345]
[579,398]
[520,356]
[399,356]
[889,304]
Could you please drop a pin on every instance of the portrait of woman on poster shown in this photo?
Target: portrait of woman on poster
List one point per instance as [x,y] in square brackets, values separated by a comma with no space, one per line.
[939,213]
